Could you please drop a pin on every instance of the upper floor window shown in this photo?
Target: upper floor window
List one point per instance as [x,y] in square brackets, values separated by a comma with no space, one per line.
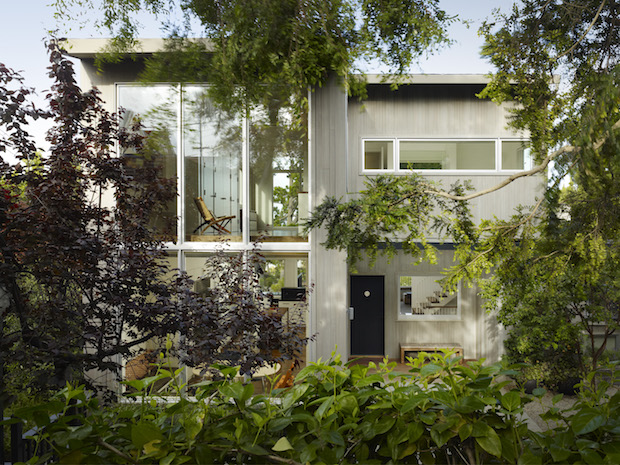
[447,155]
[232,173]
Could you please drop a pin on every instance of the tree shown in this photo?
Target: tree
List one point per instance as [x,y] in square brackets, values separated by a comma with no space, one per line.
[81,260]
[260,50]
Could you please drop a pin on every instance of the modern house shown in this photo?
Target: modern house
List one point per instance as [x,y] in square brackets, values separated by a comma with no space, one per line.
[259,180]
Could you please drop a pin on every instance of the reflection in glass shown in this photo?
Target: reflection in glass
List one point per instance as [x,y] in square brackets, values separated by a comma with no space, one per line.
[212,147]
[378,155]
[447,155]
[516,155]
[156,109]
[278,175]
[423,295]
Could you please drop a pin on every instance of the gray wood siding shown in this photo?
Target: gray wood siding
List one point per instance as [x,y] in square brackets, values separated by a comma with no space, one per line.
[328,269]
[438,112]
[477,332]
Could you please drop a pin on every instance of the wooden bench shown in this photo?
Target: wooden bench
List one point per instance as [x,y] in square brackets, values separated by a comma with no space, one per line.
[406,347]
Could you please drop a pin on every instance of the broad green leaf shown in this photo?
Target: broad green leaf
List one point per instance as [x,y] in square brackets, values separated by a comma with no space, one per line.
[559,454]
[430,370]
[415,431]
[465,431]
[143,433]
[168,459]
[278,424]
[511,400]
[151,446]
[529,458]
[412,403]
[407,451]
[586,421]
[480,383]
[611,448]
[254,449]
[327,403]
[308,453]
[469,404]
[441,436]
[384,424]
[591,457]
[491,443]
[282,444]
[509,454]
[333,437]
[586,444]
[428,417]
[347,403]
[480,429]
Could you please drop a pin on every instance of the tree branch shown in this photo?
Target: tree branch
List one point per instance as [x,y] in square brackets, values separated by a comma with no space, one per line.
[600,8]
[114,450]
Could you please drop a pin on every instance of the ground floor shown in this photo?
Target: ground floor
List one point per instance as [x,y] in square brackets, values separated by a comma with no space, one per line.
[377,310]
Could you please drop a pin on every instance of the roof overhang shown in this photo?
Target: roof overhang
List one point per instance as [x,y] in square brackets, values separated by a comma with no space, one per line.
[428,79]
[90,48]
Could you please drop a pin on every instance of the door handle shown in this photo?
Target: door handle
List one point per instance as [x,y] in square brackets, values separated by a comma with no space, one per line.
[351,313]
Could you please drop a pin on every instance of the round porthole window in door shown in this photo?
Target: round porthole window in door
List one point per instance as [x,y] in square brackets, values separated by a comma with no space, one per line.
[366,293]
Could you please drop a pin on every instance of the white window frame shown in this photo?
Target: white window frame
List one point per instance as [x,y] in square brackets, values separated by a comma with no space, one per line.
[182,245]
[440,172]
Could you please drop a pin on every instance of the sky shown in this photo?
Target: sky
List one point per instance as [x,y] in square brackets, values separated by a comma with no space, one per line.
[22,41]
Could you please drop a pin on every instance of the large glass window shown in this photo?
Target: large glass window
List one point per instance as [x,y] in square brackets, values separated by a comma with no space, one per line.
[278,176]
[378,155]
[156,109]
[446,155]
[212,148]
[421,297]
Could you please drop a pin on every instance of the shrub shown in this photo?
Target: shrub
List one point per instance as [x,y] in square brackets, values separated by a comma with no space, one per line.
[439,412]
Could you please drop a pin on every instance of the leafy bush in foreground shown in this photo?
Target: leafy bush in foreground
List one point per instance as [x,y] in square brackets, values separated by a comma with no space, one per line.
[439,412]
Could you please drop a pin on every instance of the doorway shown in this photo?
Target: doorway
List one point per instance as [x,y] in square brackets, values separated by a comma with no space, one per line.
[367,325]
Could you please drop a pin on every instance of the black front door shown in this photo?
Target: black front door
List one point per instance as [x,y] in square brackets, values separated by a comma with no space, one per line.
[367,301]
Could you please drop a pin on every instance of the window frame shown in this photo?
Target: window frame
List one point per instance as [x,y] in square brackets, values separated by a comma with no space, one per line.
[182,245]
[437,172]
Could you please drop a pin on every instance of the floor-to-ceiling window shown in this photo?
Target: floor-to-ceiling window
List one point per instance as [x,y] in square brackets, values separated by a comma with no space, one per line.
[240,180]
[232,171]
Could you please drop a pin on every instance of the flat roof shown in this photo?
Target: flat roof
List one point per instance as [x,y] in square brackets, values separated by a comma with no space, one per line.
[428,79]
[89,48]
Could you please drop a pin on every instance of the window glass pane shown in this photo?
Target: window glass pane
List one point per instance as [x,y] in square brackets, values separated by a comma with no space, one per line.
[516,155]
[212,147]
[278,176]
[423,296]
[141,361]
[447,155]
[156,108]
[378,155]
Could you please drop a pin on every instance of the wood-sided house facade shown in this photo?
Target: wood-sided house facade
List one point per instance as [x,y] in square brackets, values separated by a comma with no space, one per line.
[247,169]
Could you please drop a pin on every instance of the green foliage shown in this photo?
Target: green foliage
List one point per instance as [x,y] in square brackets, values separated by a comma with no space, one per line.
[393,211]
[265,49]
[440,410]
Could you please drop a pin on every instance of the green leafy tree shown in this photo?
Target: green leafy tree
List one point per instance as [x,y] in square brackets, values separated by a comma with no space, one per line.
[259,50]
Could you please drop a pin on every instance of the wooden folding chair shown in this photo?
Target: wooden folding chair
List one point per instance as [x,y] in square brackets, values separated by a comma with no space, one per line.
[209,220]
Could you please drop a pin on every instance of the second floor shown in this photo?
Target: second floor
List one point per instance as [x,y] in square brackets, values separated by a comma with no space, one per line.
[258,175]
